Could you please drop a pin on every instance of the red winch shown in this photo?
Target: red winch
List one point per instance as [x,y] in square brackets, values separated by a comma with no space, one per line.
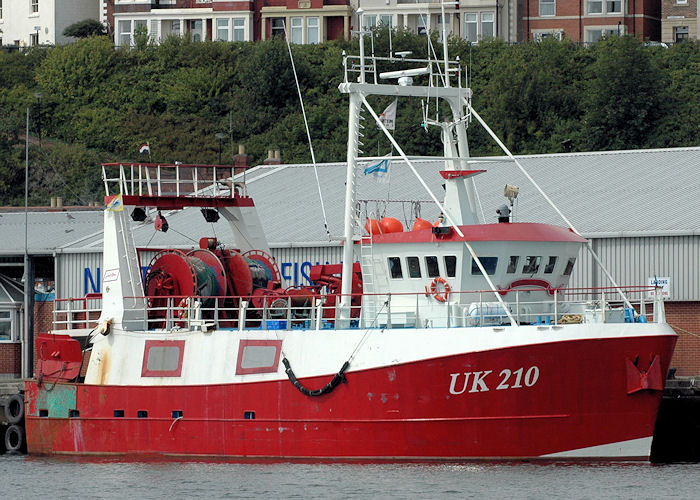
[213,274]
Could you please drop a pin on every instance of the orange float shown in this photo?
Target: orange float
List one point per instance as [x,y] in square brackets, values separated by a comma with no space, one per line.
[420,224]
[391,225]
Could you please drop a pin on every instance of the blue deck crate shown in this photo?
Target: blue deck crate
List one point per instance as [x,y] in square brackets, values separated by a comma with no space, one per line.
[276,324]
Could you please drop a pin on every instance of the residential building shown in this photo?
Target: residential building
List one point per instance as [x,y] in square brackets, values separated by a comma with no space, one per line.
[473,20]
[589,20]
[306,21]
[680,20]
[25,23]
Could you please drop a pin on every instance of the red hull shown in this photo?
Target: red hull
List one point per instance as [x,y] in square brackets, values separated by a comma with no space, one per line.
[579,397]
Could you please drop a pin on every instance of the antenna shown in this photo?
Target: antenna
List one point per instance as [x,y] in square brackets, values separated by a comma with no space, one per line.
[391,28]
[444,44]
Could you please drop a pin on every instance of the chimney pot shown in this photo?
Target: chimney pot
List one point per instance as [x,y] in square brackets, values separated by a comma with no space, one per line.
[59,202]
[53,202]
[241,149]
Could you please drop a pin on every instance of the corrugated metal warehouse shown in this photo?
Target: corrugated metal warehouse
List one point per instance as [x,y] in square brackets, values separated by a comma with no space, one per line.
[639,208]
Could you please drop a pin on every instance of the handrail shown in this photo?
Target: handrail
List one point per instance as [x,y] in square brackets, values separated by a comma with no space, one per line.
[168,179]
[401,310]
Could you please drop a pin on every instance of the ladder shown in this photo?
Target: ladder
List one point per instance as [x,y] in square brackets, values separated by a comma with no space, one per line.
[369,299]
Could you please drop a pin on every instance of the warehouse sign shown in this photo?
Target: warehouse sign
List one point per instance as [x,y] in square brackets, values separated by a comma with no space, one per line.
[663,284]
[294,273]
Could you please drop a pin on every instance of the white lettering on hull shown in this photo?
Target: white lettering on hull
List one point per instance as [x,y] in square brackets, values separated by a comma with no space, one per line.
[510,379]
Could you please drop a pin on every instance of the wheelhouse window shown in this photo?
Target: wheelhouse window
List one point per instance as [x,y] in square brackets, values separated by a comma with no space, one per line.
[551,263]
[547,7]
[413,264]
[395,268]
[451,266]
[489,263]
[431,266]
[532,264]
[513,264]
[569,266]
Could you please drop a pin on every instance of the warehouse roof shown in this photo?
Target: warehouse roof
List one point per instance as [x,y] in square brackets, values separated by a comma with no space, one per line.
[640,192]
[603,194]
[48,231]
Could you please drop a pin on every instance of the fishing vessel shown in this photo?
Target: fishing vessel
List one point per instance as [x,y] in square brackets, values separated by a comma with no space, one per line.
[457,339]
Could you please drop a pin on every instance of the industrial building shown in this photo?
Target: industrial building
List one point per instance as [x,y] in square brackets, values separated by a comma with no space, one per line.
[638,208]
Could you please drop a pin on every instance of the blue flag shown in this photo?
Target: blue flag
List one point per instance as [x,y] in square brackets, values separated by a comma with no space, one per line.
[379,170]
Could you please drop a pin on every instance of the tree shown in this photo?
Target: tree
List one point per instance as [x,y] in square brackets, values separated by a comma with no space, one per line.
[141,37]
[622,95]
[85,28]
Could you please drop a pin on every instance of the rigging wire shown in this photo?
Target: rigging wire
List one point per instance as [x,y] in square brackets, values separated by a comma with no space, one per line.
[308,133]
[182,234]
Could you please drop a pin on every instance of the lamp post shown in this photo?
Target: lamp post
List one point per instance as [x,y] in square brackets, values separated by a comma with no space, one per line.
[38,115]
[220,136]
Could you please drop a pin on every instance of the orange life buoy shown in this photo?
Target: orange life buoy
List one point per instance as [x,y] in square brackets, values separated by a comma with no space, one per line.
[440,296]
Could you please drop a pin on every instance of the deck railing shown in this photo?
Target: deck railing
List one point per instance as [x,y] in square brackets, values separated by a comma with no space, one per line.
[403,310]
[168,179]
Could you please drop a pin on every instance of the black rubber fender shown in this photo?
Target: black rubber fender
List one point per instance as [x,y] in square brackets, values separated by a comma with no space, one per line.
[14,439]
[14,409]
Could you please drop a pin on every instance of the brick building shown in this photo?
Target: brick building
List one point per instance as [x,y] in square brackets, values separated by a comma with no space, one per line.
[472,20]
[680,20]
[588,20]
[306,21]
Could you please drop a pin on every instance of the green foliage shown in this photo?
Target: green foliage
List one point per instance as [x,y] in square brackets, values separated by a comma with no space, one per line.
[679,116]
[622,94]
[71,171]
[75,74]
[84,29]
[99,103]
[141,37]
